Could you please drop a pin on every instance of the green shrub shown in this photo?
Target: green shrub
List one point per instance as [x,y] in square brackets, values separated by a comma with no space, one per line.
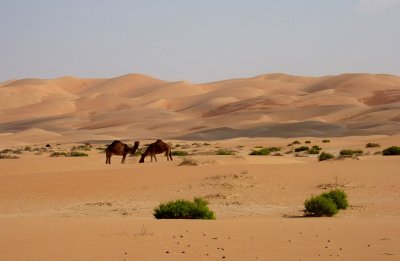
[338,196]
[264,151]
[313,151]
[274,149]
[320,206]
[302,148]
[351,152]
[224,152]
[372,145]
[307,142]
[59,154]
[316,147]
[184,209]
[394,150]
[326,141]
[325,156]
[179,153]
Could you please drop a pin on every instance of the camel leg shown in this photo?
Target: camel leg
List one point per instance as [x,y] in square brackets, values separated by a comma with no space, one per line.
[123,159]
[155,157]
[108,157]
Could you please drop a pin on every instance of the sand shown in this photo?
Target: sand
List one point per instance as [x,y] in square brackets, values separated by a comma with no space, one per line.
[137,106]
[82,209]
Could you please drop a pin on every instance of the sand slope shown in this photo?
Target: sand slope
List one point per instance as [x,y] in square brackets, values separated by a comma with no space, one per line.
[139,106]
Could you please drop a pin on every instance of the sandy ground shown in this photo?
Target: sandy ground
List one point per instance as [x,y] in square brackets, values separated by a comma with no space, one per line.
[83,209]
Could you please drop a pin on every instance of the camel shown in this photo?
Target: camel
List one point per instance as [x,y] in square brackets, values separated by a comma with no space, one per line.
[156,148]
[120,149]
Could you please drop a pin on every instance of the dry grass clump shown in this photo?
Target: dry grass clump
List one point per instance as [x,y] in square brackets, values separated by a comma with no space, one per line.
[188,162]
[372,145]
[5,156]
[348,152]
[224,152]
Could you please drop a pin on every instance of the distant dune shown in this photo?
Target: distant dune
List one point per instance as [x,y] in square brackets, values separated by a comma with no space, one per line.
[136,106]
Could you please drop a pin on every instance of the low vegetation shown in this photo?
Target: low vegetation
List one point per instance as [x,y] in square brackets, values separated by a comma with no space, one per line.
[307,142]
[325,156]
[296,142]
[224,152]
[326,204]
[264,151]
[188,162]
[180,153]
[5,156]
[326,141]
[82,148]
[184,209]
[372,145]
[394,150]
[302,148]
[348,152]
[69,154]
[320,206]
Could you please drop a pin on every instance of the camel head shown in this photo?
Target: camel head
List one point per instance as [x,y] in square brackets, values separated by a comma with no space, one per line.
[134,148]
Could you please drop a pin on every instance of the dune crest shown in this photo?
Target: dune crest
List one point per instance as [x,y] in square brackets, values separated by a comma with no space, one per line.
[270,105]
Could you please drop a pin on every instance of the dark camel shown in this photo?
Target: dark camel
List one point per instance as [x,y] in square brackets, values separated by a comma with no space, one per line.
[156,148]
[120,149]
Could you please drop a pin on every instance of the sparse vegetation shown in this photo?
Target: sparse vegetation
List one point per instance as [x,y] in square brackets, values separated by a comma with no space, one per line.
[326,141]
[188,162]
[184,209]
[338,196]
[264,151]
[69,154]
[302,148]
[179,153]
[393,150]
[296,142]
[307,142]
[6,151]
[325,156]
[372,145]
[27,148]
[224,152]
[313,151]
[326,204]
[320,206]
[348,152]
[4,156]
[82,147]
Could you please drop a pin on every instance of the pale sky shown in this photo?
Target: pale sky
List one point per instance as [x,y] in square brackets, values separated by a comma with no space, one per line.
[199,41]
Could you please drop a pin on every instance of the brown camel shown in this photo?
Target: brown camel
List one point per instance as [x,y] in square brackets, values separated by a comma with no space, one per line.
[120,149]
[156,148]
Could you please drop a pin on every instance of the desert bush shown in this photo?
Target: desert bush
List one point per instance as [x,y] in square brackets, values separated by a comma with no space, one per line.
[307,142]
[338,196]
[274,149]
[177,145]
[316,147]
[206,144]
[27,148]
[320,206]
[184,209]
[394,150]
[313,151]
[264,151]
[372,145]
[82,147]
[258,147]
[326,141]
[224,152]
[296,142]
[302,148]
[348,152]
[77,154]
[6,151]
[325,156]
[3,156]
[59,154]
[188,162]
[179,153]
[378,153]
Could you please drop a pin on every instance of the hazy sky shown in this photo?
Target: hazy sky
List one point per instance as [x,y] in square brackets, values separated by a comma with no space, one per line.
[200,41]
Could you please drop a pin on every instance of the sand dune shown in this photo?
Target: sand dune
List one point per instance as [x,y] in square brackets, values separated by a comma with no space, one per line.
[261,106]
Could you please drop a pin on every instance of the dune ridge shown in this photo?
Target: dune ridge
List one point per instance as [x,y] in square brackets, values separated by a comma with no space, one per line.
[140,106]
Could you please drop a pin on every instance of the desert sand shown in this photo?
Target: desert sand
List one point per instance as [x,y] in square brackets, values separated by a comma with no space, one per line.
[65,208]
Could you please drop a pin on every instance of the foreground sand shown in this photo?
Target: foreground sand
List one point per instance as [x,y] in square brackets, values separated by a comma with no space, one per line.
[83,209]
